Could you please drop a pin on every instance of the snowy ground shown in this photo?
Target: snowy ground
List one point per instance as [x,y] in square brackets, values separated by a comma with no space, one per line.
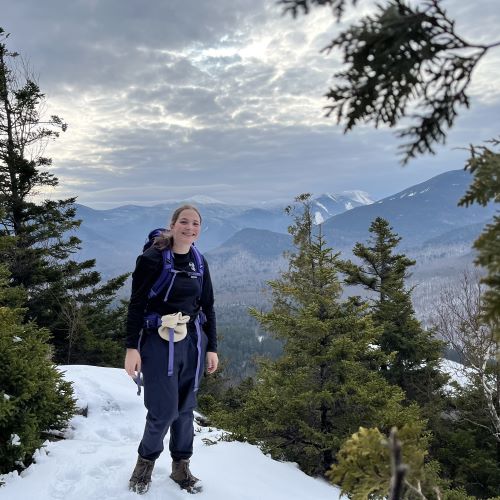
[456,371]
[96,460]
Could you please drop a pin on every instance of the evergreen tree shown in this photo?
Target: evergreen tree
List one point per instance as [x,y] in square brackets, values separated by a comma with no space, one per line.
[484,164]
[34,398]
[327,383]
[415,365]
[408,54]
[42,232]
[467,450]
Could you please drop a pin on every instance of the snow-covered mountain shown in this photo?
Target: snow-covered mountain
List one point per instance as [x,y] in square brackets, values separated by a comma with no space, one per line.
[327,205]
[96,459]
[419,213]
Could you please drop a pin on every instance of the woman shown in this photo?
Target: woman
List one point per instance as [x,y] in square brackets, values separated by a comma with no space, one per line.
[171,365]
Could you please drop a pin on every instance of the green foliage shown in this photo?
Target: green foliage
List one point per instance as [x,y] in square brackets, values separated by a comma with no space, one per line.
[219,400]
[465,446]
[87,327]
[241,347]
[484,165]
[416,354]
[459,494]
[33,397]
[363,465]
[327,383]
[37,237]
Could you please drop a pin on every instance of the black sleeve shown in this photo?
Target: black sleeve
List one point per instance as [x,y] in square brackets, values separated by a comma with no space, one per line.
[207,304]
[147,270]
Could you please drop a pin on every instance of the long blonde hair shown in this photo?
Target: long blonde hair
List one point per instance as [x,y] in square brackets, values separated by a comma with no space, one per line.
[165,239]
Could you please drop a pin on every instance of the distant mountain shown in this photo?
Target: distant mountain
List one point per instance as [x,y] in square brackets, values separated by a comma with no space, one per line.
[417,214]
[116,236]
[259,243]
[130,224]
[272,219]
[466,234]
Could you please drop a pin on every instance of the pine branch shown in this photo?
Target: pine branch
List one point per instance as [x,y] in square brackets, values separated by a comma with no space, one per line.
[403,62]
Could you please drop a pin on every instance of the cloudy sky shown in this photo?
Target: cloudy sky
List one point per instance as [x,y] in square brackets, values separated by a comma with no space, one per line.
[169,99]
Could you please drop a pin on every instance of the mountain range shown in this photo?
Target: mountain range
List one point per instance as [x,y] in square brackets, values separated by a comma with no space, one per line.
[115,237]
[244,244]
[425,215]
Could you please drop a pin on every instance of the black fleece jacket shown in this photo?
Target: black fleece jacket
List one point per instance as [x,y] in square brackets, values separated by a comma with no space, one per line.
[185,295]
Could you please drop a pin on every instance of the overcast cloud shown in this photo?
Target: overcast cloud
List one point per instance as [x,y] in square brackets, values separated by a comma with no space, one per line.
[168,99]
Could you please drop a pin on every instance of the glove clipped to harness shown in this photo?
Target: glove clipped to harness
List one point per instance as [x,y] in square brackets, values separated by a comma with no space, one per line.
[175,321]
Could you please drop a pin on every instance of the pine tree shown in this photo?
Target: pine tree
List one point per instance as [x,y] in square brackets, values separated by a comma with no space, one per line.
[42,232]
[484,164]
[34,398]
[406,54]
[467,449]
[327,383]
[415,366]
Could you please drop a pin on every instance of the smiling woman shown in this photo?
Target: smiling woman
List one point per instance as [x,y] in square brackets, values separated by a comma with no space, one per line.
[171,303]
[186,228]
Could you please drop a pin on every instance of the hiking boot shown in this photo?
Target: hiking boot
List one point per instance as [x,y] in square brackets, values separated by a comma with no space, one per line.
[141,477]
[183,477]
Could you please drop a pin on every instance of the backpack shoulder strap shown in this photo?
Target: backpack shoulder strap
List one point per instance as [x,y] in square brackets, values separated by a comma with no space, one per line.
[200,263]
[167,270]
[166,273]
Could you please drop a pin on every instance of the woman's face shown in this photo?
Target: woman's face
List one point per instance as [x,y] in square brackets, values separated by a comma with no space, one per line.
[186,229]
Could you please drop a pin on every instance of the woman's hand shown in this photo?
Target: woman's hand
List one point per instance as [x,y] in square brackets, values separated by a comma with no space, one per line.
[212,362]
[132,362]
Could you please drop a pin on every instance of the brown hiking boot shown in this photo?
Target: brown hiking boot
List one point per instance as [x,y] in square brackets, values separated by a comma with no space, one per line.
[183,477]
[141,477]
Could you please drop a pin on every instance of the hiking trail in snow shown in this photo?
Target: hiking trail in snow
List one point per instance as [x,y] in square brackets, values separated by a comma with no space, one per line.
[97,458]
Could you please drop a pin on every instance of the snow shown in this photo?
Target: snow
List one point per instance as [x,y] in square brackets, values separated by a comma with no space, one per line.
[318,218]
[97,458]
[15,440]
[203,200]
[456,371]
[359,196]
[348,206]
[320,205]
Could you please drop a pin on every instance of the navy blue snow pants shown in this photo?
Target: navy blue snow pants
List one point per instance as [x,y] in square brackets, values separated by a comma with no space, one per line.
[170,400]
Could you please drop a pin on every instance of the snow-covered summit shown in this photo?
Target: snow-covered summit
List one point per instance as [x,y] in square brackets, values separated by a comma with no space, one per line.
[327,205]
[204,200]
[361,197]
